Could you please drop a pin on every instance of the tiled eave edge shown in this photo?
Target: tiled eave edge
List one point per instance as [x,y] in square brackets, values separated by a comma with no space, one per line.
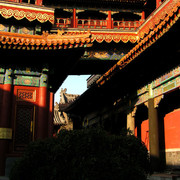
[61,40]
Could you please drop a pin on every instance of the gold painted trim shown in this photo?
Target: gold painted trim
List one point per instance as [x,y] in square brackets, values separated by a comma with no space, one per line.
[5,133]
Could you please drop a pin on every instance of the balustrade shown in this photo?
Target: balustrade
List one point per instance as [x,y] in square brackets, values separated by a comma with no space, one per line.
[126,25]
[96,24]
[36,2]
[91,23]
[64,22]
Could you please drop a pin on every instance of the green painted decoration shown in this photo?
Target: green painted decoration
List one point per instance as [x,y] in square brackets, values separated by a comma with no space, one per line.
[26,81]
[44,80]
[8,76]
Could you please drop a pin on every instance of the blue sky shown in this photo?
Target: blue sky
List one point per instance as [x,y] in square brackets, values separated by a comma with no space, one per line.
[74,85]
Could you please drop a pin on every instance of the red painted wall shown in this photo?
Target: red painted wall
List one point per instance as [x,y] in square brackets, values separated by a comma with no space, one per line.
[145,133]
[172,131]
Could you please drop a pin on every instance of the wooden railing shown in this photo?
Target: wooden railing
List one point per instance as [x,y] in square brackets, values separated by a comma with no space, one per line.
[96,24]
[64,22]
[37,2]
[126,25]
[91,23]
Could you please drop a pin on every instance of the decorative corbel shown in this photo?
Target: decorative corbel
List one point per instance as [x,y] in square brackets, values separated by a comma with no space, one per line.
[131,119]
[157,100]
[146,104]
[133,113]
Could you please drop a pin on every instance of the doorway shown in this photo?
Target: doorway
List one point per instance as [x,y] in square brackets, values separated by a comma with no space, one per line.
[24,126]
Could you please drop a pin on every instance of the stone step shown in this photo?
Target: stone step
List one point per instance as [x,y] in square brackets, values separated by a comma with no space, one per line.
[165,177]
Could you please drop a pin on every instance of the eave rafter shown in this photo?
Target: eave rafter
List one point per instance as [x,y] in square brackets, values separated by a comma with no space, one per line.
[61,40]
[155,29]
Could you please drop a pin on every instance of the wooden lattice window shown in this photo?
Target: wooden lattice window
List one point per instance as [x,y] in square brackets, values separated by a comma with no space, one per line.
[26,95]
[24,126]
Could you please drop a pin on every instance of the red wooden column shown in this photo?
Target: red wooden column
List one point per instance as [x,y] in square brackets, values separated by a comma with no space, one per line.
[109,20]
[158,3]
[51,114]
[143,16]
[74,23]
[42,118]
[39,2]
[5,114]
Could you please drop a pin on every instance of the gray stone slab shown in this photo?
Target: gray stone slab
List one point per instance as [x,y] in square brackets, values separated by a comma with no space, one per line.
[165,177]
[9,164]
[4,178]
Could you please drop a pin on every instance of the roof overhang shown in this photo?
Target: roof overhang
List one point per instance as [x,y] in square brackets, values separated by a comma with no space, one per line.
[97,4]
[156,53]
[159,23]
[30,12]
[46,41]
[59,52]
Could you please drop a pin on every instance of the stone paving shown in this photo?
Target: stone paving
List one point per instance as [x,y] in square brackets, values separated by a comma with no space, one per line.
[4,178]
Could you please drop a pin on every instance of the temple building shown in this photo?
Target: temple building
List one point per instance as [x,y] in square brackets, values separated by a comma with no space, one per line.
[29,73]
[141,91]
[131,48]
[61,119]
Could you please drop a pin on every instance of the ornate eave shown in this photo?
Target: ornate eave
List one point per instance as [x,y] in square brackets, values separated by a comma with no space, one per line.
[163,13]
[152,30]
[58,52]
[114,36]
[30,12]
[61,40]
